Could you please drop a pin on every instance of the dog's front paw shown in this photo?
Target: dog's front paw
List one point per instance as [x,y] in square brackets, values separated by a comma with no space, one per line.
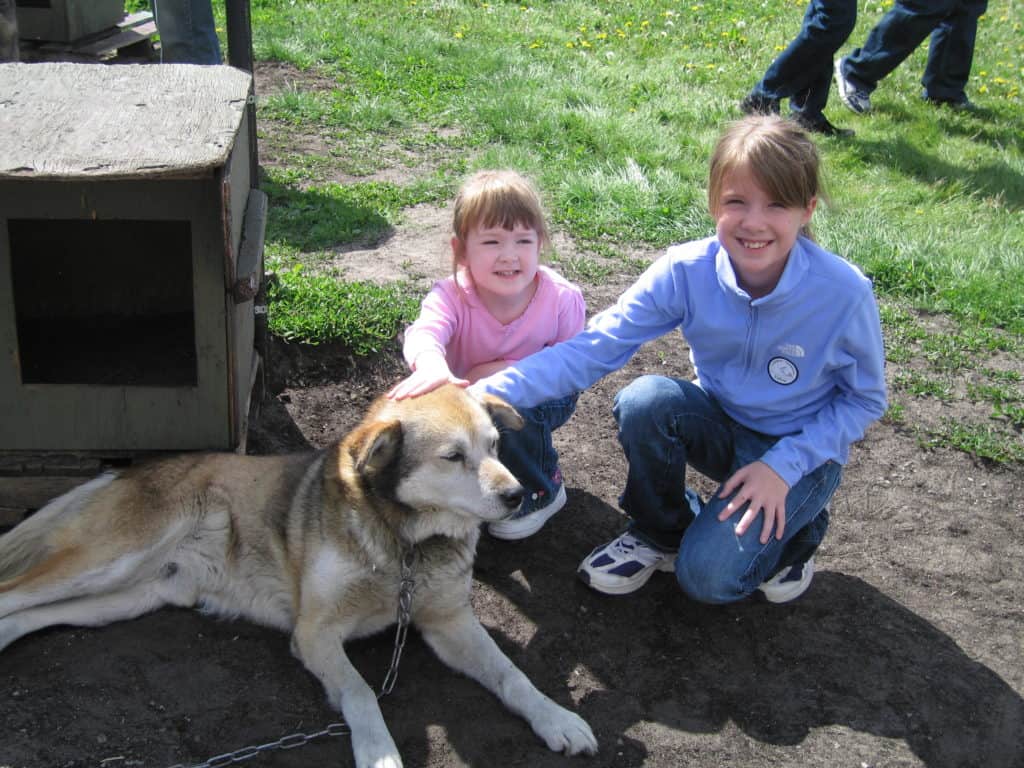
[377,752]
[565,731]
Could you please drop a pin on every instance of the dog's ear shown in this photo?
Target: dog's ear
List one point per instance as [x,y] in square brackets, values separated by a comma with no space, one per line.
[502,414]
[375,446]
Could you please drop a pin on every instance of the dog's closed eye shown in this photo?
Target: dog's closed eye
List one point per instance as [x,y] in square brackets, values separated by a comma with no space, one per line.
[453,456]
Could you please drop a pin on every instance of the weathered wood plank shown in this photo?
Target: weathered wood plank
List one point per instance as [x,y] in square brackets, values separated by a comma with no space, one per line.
[76,121]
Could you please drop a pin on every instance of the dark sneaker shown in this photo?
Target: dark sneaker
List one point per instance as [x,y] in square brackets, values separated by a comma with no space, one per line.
[822,126]
[853,97]
[623,565]
[528,523]
[789,583]
[961,104]
[754,104]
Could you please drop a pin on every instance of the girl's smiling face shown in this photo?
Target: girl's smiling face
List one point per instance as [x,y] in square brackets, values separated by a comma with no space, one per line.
[502,262]
[757,231]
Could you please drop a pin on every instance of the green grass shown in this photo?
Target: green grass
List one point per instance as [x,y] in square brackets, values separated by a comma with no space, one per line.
[311,307]
[613,107]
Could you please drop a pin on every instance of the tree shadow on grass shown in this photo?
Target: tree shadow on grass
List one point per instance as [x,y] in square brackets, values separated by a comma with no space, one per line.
[995,180]
[320,219]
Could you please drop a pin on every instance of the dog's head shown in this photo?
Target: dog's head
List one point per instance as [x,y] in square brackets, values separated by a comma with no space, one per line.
[437,455]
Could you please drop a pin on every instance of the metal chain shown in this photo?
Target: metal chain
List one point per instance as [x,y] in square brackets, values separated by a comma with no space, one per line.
[404,615]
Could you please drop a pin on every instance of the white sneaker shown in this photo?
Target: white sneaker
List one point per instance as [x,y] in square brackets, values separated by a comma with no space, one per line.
[528,524]
[852,97]
[789,583]
[623,565]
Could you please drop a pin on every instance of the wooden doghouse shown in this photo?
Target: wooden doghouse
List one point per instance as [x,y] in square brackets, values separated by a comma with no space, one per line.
[131,249]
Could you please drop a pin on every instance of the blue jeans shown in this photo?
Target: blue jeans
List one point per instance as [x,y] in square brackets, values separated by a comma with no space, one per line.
[530,453]
[803,72]
[665,424]
[187,32]
[953,26]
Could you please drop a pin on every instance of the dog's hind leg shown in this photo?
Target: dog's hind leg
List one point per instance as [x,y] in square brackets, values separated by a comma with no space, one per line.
[74,571]
[30,541]
[93,611]
[463,644]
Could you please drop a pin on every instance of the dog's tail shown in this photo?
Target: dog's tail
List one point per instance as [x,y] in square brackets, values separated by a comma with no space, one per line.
[28,543]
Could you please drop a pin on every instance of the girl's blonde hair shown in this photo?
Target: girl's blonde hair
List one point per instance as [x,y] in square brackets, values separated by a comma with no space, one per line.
[777,152]
[497,198]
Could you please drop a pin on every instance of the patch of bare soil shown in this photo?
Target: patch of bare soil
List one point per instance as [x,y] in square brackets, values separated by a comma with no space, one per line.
[907,650]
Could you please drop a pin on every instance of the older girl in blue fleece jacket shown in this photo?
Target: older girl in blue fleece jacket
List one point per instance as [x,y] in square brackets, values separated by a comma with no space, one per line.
[786,344]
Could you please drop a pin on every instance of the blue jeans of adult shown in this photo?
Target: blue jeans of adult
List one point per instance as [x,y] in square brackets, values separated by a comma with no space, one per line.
[188,34]
[953,27]
[666,424]
[530,452]
[803,72]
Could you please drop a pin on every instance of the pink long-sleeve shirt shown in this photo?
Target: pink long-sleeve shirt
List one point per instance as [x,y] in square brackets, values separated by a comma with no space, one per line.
[454,323]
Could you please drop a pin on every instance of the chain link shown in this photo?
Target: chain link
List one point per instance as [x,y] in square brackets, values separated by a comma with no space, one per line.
[404,616]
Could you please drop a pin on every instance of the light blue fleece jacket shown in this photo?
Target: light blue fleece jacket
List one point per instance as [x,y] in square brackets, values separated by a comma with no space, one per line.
[805,362]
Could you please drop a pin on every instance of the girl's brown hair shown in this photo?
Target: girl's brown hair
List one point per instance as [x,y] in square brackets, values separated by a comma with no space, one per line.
[498,198]
[778,153]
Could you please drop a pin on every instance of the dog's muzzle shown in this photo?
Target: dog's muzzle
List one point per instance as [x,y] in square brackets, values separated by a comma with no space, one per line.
[513,499]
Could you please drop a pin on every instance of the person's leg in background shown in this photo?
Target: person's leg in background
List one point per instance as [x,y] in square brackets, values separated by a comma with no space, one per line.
[889,43]
[803,72]
[188,34]
[951,54]
[9,46]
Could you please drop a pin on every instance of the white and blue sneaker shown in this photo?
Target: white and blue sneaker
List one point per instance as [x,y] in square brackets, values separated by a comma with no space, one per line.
[623,565]
[789,583]
[853,98]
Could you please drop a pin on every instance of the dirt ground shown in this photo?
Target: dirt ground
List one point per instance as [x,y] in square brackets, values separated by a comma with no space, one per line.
[907,651]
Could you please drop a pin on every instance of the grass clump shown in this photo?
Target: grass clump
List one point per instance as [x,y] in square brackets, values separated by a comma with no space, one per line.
[311,308]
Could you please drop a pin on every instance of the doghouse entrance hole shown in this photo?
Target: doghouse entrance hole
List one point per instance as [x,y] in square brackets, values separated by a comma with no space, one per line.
[104,302]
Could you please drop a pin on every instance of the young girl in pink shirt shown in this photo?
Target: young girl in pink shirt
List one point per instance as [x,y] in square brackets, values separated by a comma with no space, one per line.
[499,306]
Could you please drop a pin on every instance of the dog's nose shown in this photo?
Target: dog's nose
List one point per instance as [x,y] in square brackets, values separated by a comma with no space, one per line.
[513,498]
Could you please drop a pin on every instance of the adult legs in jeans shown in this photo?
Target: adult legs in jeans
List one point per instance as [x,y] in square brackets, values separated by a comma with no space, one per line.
[665,424]
[530,452]
[951,53]
[187,32]
[893,39]
[803,72]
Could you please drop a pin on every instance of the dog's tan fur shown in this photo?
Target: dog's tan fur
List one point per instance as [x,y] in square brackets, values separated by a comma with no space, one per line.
[311,544]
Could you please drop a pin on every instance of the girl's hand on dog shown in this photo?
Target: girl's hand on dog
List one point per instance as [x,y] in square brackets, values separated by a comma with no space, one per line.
[758,484]
[431,372]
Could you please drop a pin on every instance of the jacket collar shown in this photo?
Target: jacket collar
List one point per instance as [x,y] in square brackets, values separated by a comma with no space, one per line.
[793,274]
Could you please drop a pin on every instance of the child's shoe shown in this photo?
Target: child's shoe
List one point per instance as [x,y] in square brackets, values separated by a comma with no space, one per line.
[854,98]
[528,523]
[623,565]
[789,583]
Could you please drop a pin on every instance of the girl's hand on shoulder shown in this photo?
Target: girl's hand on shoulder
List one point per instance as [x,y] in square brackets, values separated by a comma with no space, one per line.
[427,377]
[761,486]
